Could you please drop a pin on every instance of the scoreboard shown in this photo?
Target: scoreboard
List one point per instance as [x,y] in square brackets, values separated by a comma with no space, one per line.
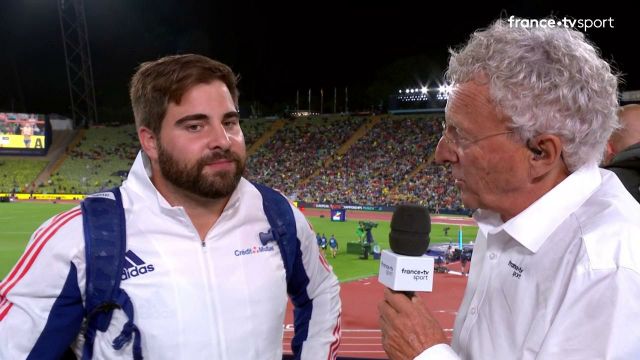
[24,134]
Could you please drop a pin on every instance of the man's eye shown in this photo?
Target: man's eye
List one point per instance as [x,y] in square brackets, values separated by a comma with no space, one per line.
[232,126]
[459,136]
[194,127]
[229,123]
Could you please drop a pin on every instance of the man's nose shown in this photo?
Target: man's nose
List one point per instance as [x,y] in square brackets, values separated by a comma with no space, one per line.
[218,137]
[445,153]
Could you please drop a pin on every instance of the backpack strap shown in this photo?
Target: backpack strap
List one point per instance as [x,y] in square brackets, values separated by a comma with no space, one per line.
[283,226]
[283,230]
[105,239]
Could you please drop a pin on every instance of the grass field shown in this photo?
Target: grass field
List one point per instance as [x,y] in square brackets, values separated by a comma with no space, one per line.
[350,266]
[19,220]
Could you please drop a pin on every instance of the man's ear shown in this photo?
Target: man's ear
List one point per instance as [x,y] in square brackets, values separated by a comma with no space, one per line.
[609,153]
[546,154]
[148,141]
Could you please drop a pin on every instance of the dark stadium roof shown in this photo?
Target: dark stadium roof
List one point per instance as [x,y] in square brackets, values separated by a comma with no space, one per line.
[277,47]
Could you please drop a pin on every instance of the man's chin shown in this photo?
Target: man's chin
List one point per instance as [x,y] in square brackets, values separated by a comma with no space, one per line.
[218,176]
[217,186]
[469,201]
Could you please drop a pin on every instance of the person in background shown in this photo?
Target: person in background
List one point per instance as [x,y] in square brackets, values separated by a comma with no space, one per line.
[623,150]
[360,231]
[464,259]
[27,129]
[333,245]
[323,244]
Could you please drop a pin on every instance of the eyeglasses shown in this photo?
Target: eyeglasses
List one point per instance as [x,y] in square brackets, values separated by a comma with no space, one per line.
[460,141]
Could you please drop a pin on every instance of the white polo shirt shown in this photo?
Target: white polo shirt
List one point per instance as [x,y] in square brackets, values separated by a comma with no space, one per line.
[561,280]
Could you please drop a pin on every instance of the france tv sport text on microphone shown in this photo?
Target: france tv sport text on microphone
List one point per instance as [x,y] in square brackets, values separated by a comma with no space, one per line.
[405,267]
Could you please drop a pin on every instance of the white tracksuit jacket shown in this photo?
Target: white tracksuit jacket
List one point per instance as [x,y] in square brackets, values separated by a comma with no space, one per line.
[217,299]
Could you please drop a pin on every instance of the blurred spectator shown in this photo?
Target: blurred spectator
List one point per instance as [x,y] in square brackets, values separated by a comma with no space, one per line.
[623,150]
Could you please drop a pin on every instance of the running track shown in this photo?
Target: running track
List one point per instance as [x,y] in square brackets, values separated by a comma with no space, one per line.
[360,330]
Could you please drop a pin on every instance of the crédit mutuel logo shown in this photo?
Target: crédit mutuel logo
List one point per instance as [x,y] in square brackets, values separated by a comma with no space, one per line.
[582,24]
[253,250]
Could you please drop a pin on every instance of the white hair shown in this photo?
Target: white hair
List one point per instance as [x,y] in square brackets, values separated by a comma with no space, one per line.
[548,80]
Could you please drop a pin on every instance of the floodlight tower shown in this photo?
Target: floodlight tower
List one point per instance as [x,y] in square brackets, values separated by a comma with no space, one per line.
[75,39]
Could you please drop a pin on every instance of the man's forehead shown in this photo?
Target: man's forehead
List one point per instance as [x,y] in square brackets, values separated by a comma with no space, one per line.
[471,100]
[472,89]
[179,94]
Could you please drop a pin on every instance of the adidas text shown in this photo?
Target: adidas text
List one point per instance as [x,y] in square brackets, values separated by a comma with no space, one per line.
[133,272]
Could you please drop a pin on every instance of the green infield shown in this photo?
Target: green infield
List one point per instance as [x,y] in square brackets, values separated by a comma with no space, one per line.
[19,220]
[348,266]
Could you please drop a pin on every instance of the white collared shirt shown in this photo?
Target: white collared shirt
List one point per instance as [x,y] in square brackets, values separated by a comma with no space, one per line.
[561,280]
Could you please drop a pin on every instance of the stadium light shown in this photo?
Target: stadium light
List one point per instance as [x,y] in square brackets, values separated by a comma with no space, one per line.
[443,91]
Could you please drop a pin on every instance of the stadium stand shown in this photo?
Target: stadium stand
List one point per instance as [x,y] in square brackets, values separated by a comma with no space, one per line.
[258,130]
[17,174]
[293,152]
[363,160]
[377,162]
[432,187]
[100,161]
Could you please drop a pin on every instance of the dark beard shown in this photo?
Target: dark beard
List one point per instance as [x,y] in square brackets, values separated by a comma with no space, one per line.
[190,178]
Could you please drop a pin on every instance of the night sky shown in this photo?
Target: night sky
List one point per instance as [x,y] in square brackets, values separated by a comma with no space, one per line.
[276,47]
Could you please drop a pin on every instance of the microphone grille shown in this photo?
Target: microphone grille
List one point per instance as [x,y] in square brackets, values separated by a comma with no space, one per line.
[410,228]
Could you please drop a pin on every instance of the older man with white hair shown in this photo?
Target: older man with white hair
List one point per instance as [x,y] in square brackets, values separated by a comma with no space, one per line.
[556,267]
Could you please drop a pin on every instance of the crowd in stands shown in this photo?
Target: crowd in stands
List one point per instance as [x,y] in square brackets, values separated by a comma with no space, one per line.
[298,149]
[432,186]
[252,129]
[389,164]
[377,163]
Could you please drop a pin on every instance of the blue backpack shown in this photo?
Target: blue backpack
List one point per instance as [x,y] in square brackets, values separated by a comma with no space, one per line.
[105,242]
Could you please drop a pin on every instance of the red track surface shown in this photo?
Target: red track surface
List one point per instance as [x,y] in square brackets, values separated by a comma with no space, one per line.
[360,329]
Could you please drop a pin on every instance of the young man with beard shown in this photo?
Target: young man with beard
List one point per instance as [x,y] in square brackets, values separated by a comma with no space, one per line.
[201,282]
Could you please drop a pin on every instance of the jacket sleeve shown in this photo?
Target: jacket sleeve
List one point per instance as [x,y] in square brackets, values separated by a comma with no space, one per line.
[316,310]
[41,307]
